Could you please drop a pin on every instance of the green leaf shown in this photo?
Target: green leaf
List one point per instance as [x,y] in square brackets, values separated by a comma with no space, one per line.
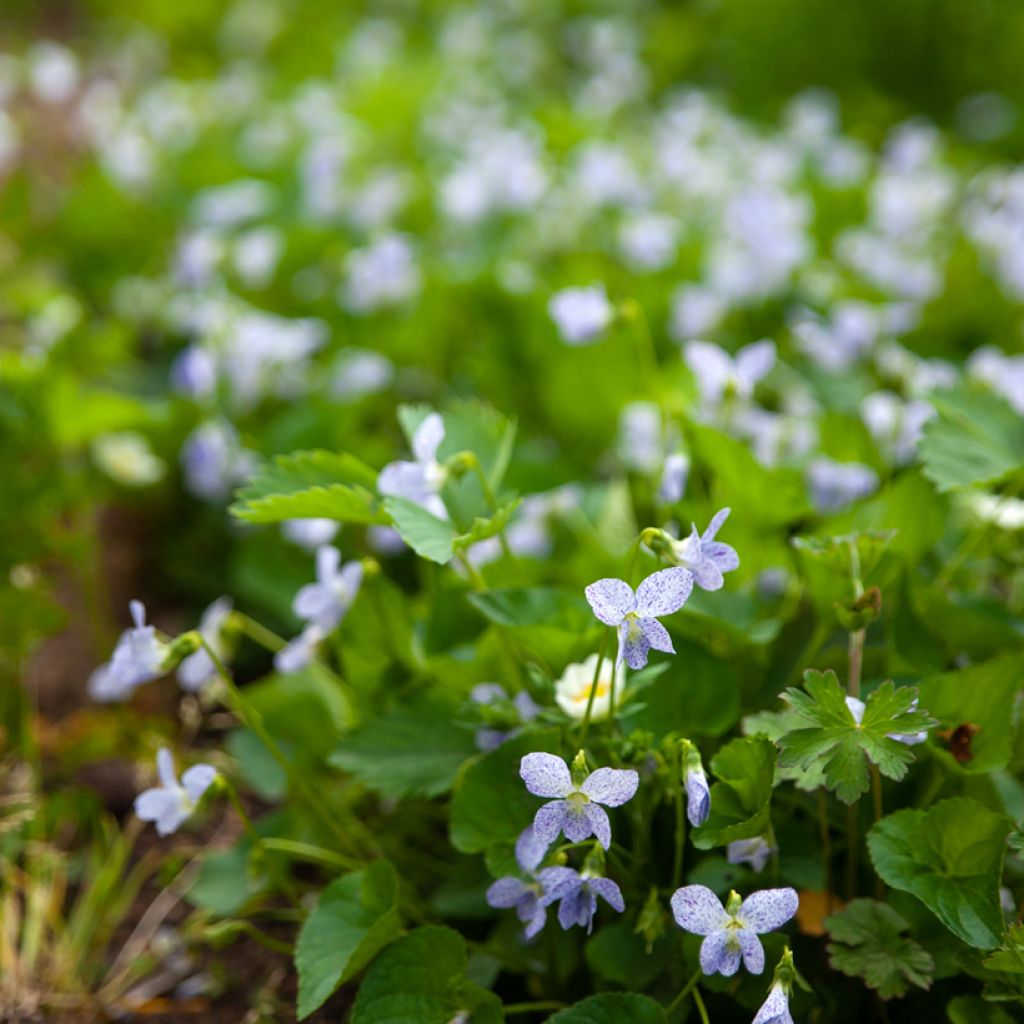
[612,1008]
[415,748]
[223,884]
[421,979]
[616,953]
[831,737]
[1009,958]
[533,606]
[427,535]
[950,857]
[741,796]
[868,942]
[984,696]
[484,527]
[771,496]
[491,804]
[977,438]
[975,1010]
[310,484]
[355,917]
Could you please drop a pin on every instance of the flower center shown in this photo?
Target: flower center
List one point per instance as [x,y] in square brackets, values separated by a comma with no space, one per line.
[633,630]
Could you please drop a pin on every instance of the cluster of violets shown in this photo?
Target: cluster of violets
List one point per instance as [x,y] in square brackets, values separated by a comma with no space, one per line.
[576,810]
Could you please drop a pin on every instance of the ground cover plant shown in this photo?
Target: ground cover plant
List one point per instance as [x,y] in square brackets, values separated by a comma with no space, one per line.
[493,531]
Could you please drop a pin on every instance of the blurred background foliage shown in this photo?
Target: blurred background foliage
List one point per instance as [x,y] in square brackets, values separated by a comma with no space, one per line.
[885,59]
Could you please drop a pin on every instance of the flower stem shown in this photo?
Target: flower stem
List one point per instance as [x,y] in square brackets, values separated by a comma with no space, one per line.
[259,633]
[690,986]
[701,1008]
[593,688]
[313,854]
[856,653]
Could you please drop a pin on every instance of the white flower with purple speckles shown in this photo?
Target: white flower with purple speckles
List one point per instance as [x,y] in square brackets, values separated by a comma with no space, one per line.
[756,852]
[326,602]
[170,803]
[635,616]
[857,707]
[576,895]
[525,897]
[731,932]
[705,557]
[775,1009]
[420,481]
[575,805]
[138,657]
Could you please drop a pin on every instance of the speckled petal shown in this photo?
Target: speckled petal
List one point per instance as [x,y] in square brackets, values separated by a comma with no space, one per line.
[549,821]
[752,950]
[597,824]
[609,892]
[697,909]
[505,893]
[656,635]
[546,775]
[530,850]
[611,600]
[611,786]
[775,1009]
[664,592]
[717,956]
[769,909]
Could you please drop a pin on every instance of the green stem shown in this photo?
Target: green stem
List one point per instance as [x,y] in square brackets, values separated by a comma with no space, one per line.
[856,653]
[475,576]
[701,1008]
[593,689]
[259,633]
[633,312]
[690,986]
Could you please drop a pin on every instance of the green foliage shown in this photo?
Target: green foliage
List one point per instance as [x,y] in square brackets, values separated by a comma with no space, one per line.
[310,484]
[869,942]
[415,748]
[354,919]
[612,1008]
[977,438]
[421,979]
[490,804]
[983,696]
[831,736]
[950,857]
[741,796]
